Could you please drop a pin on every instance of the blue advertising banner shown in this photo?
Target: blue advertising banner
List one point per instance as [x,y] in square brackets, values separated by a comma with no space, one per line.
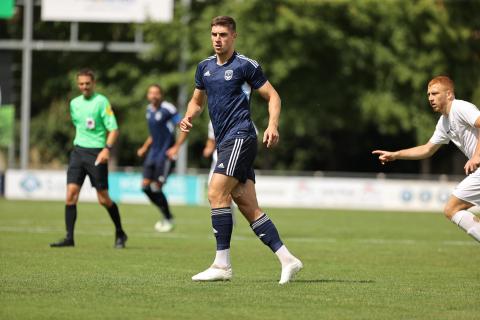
[188,189]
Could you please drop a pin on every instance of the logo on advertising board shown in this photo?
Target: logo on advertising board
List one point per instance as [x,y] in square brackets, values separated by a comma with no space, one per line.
[30,183]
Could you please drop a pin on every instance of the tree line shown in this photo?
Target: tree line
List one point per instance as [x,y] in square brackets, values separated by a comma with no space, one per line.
[352,76]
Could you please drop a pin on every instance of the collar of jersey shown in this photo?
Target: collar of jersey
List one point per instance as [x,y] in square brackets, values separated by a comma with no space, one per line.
[228,61]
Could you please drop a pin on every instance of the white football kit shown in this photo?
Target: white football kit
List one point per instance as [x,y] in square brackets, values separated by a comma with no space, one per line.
[459,127]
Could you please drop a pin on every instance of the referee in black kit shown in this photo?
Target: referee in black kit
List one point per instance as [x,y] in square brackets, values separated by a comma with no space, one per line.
[96,132]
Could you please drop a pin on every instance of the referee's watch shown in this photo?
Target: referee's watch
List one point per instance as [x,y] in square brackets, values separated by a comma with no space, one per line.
[109,146]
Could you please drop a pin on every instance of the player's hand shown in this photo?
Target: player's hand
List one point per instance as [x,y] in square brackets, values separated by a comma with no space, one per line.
[141,152]
[271,137]
[172,153]
[102,156]
[385,156]
[186,124]
[472,165]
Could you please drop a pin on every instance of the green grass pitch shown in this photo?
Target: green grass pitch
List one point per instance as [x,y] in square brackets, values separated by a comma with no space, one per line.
[358,265]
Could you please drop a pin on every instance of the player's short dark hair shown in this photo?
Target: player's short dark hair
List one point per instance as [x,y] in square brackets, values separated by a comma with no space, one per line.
[156,85]
[445,81]
[86,72]
[225,21]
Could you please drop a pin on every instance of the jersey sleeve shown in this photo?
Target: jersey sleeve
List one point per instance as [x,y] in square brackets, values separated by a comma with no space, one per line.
[108,117]
[468,113]
[199,78]
[440,136]
[254,74]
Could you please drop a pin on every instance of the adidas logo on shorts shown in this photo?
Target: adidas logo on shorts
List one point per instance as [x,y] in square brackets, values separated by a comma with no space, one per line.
[221,166]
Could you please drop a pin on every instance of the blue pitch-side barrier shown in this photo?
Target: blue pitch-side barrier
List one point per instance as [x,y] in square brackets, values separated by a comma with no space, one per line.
[188,189]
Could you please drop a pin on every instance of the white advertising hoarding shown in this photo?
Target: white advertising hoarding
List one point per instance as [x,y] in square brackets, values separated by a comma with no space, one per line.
[353,193]
[293,192]
[107,10]
[42,185]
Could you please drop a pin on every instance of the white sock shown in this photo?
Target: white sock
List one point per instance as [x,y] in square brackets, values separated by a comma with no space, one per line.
[284,256]
[222,258]
[468,222]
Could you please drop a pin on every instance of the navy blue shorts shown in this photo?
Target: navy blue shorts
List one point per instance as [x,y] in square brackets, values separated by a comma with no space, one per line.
[82,163]
[157,170]
[236,157]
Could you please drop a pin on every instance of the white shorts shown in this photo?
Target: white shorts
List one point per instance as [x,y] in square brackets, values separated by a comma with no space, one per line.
[469,189]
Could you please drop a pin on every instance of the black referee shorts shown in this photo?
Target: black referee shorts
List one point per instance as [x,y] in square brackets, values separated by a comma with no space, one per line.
[236,157]
[82,163]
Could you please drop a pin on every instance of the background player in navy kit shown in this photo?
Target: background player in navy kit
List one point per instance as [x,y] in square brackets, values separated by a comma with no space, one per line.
[162,118]
[226,79]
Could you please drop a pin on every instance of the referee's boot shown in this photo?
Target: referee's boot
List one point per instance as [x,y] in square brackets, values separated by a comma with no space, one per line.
[63,243]
[120,239]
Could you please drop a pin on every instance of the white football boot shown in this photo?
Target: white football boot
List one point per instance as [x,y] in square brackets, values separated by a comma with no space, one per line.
[164,226]
[290,270]
[214,273]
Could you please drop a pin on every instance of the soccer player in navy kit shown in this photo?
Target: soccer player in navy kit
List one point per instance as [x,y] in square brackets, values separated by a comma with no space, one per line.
[227,79]
[162,118]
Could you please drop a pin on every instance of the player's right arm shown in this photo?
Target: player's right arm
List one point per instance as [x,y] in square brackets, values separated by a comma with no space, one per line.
[194,108]
[144,148]
[415,153]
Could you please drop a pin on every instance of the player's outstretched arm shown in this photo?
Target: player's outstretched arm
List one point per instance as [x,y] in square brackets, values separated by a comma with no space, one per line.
[194,108]
[415,153]
[271,135]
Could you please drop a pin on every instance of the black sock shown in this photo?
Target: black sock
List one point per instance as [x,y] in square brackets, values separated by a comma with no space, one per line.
[159,199]
[222,224]
[266,231]
[70,218]
[115,215]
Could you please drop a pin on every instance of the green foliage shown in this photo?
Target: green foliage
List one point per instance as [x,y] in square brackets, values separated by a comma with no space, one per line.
[344,69]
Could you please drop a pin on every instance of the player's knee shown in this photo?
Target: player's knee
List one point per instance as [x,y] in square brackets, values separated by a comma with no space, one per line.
[72,198]
[105,201]
[217,198]
[450,209]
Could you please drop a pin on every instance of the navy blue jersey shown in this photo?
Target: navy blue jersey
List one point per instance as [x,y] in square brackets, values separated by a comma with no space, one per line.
[161,125]
[228,88]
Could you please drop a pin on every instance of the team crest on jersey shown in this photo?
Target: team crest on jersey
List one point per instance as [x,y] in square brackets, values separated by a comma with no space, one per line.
[228,74]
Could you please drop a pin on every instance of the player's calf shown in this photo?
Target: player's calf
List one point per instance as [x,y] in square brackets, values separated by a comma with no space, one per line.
[456,211]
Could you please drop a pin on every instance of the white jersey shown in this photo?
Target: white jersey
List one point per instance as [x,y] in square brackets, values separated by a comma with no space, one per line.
[458,127]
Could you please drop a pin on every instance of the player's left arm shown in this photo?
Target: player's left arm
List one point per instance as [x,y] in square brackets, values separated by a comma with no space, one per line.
[110,123]
[104,155]
[474,162]
[268,92]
